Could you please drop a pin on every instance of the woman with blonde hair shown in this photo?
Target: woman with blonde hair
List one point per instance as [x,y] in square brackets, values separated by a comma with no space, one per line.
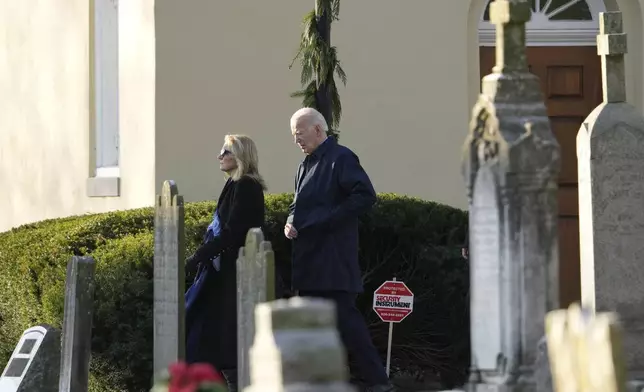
[211,315]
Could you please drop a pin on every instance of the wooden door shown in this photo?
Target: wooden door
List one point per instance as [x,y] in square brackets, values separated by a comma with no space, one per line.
[571,84]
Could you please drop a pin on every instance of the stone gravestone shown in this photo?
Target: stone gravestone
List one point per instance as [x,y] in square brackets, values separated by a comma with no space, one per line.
[35,362]
[169,278]
[297,348]
[255,284]
[77,325]
[511,164]
[542,374]
[610,154]
[585,351]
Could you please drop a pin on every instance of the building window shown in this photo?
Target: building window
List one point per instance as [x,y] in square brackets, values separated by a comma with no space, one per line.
[553,23]
[105,97]
[572,10]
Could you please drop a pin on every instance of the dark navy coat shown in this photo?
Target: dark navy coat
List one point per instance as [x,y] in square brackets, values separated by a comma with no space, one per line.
[331,191]
[211,323]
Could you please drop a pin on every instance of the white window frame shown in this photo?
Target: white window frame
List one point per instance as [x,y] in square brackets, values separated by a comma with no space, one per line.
[105,99]
[106,87]
[540,31]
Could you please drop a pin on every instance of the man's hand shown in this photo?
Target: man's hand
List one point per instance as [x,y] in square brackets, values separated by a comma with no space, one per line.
[290,232]
[465,252]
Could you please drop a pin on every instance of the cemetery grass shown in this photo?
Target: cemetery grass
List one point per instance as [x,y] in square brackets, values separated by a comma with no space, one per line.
[416,241]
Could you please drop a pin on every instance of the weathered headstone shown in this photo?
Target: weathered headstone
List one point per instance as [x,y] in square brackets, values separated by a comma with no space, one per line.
[542,374]
[169,278]
[255,284]
[511,166]
[77,325]
[610,153]
[35,362]
[586,351]
[297,348]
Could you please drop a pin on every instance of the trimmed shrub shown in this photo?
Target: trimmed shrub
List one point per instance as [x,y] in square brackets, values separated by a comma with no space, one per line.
[416,241]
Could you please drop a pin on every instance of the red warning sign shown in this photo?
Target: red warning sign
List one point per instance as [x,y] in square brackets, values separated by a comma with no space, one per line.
[393,301]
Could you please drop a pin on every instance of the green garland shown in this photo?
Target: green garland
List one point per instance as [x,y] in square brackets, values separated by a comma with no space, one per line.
[320,62]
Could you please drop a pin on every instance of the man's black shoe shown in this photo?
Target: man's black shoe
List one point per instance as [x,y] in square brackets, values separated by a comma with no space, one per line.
[381,388]
[230,376]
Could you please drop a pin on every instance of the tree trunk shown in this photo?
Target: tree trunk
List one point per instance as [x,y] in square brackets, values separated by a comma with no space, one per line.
[322,95]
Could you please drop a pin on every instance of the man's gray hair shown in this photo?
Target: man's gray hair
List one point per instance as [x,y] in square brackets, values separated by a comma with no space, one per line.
[311,116]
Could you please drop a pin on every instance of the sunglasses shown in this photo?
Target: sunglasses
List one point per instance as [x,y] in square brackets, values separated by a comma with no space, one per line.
[224,153]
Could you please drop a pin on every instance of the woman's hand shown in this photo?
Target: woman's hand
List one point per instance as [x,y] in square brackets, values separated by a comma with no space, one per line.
[192,264]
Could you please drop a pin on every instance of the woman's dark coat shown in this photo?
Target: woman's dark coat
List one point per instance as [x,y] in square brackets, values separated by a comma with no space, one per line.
[211,322]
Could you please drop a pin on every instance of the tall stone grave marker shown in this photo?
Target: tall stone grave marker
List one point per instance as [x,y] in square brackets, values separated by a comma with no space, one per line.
[77,325]
[511,164]
[610,154]
[297,347]
[35,362]
[169,278]
[255,284]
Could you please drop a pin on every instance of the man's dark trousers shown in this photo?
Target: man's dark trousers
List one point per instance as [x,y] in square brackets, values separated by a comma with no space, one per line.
[354,334]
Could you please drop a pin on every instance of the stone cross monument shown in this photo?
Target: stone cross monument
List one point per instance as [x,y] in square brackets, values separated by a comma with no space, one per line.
[511,164]
[610,155]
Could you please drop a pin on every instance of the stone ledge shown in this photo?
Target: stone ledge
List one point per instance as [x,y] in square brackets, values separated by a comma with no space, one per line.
[104,187]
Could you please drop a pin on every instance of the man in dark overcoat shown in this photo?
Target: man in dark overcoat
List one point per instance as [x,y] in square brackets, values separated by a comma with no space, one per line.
[331,191]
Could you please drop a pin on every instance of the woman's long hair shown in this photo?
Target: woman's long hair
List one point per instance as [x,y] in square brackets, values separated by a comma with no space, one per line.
[245,153]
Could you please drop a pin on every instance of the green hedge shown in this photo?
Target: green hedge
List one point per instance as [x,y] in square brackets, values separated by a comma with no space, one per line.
[416,241]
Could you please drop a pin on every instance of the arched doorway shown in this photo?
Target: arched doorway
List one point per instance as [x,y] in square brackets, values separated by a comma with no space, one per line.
[561,39]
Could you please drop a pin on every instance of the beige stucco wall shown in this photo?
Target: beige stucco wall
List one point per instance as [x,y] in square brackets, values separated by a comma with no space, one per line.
[223,67]
[413,77]
[44,109]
